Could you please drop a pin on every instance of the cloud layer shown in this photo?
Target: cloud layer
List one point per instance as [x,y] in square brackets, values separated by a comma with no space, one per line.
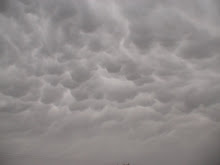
[110,81]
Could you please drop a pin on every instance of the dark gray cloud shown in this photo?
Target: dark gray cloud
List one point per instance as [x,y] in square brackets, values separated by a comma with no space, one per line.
[3,6]
[107,82]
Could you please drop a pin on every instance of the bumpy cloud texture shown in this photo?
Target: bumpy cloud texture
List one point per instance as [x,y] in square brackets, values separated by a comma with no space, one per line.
[110,81]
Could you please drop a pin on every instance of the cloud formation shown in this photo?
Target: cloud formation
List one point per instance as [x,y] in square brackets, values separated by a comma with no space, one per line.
[107,82]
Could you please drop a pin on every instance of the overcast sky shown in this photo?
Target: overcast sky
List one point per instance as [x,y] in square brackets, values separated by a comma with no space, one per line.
[101,82]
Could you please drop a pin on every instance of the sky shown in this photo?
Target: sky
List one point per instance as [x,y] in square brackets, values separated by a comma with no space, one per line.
[107,82]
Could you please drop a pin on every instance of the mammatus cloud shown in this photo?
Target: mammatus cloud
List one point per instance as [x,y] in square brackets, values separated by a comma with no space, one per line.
[107,82]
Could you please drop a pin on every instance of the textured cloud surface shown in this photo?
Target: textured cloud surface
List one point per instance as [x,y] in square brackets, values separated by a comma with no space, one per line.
[110,81]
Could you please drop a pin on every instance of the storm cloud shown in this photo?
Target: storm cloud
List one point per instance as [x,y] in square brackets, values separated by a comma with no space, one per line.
[110,82]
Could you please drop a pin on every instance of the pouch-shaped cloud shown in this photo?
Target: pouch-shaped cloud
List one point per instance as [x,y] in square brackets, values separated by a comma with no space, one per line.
[106,82]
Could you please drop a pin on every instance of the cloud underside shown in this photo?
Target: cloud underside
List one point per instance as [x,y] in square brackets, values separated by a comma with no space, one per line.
[106,82]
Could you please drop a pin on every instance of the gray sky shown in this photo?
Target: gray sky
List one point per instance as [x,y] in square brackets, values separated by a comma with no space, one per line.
[110,81]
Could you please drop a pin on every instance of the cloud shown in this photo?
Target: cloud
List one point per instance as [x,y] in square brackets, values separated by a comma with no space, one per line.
[3,5]
[106,82]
